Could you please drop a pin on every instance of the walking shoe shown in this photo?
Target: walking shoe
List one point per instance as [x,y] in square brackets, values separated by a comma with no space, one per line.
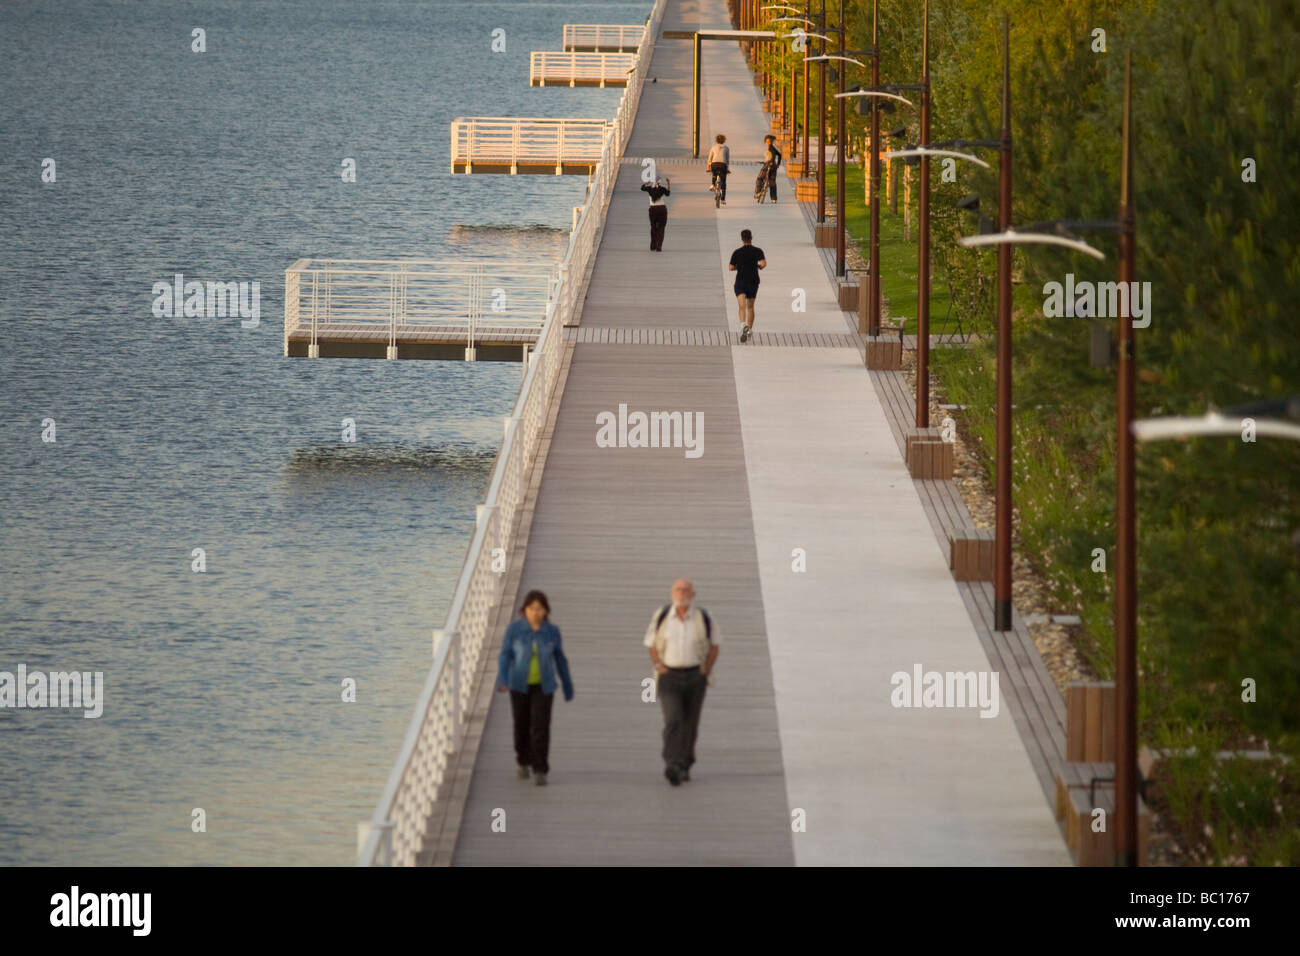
[540,779]
[523,773]
[673,774]
[744,332]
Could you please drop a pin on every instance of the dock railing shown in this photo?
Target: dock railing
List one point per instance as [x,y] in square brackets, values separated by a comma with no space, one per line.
[408,297]
[619,37]
[551,68]
[397,832]
[532,142]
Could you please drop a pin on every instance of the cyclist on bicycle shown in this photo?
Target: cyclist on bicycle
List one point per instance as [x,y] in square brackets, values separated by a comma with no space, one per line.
[718,161]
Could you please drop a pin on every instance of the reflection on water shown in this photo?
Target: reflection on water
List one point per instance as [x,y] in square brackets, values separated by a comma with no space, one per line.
[325,560]
[512,241]
[450,462]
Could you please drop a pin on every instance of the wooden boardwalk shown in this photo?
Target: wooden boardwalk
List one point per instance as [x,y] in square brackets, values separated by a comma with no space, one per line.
[715,338]
[612,529]
[800,715]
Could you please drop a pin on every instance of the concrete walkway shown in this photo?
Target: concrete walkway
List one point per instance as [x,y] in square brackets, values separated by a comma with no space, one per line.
[799,465]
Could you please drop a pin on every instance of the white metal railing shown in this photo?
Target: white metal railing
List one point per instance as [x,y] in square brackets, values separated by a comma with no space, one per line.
[542,141]
[397,831]
[407,297]
[549,68]
[603,36]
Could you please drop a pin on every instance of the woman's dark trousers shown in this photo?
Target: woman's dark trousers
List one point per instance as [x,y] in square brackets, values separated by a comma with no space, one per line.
[658,219]
[532,727]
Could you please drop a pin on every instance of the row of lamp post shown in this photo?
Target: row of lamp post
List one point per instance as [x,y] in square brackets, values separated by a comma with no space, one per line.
[1004,239]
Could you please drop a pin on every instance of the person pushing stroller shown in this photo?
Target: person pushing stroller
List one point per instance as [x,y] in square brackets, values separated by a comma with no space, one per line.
[766,181]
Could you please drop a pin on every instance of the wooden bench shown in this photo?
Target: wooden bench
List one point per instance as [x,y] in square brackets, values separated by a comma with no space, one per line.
[1093,848]
[1078,776]
[883,352]
[1090,721]
[805,190]
[848,295]
[928,455]
[970,553]
[824,233]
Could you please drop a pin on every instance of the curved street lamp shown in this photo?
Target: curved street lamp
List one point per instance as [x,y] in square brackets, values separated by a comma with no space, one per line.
[1216,422]
[1012,237]
[804,33]
[824,56]
[888,96]
[924,151]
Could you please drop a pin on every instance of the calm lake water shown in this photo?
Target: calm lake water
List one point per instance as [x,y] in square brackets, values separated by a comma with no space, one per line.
[325,560]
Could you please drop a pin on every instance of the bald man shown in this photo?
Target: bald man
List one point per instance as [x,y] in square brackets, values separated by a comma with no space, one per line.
[683,643]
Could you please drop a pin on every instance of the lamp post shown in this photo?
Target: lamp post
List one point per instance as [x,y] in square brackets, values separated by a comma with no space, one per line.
[1126,770]
[839,159]
[787,103]
[821,126]
[1004,241]
[839,150]
[873,253]
[872,326]
[923,242]
[923,260]
[1002,533]
[840,138]
[803,107]
[807,13]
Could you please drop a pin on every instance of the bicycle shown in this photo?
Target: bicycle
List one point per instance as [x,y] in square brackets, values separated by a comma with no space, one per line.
[716,184]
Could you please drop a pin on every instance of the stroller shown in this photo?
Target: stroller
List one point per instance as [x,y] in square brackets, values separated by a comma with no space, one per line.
[760,184]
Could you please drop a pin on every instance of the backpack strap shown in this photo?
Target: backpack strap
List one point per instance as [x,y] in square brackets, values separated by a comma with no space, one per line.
[708,622]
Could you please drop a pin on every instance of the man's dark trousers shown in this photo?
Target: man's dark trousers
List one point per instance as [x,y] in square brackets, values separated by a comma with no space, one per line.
[681,695]
[658,219]
[532,713]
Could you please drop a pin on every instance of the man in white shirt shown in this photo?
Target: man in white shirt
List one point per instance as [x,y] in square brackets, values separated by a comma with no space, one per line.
[683,643]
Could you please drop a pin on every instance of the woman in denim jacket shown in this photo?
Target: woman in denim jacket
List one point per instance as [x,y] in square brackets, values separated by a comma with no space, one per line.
[530,656]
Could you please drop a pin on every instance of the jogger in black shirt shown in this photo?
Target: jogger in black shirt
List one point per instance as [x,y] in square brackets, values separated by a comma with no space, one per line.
[745,262]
